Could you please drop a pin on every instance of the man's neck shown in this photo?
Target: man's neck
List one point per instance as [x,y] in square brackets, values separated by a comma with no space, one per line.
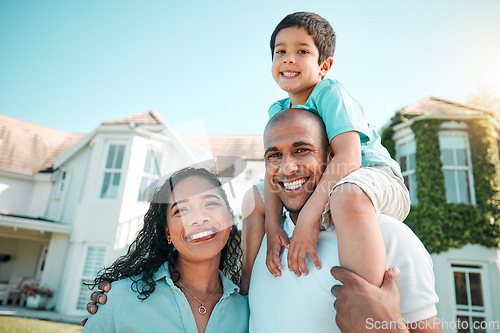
[294,217]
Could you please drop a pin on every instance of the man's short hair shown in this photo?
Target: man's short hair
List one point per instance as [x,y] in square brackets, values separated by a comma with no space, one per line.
[298,113]
[316,26]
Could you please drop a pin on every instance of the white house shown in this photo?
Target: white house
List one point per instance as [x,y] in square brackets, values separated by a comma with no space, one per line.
[70,204]
[453,148]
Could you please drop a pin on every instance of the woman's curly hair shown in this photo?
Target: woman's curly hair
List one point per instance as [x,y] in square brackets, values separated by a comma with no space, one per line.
[150,249]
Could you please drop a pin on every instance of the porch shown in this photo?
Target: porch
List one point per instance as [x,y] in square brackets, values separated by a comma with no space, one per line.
[19,311]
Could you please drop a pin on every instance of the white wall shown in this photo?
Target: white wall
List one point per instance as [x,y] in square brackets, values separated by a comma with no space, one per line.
[15,192]
[25,255]
[63,207]
[470,254]
[54,265]
[40,195]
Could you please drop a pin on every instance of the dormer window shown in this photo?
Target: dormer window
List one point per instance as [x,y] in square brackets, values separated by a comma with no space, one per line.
[152,168]
[457,166]
[112,172]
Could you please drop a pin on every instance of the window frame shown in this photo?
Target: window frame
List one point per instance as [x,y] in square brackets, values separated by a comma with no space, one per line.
[468,168]
[152,177]
[470,310]
[408,139]
[83,292]
[113,170]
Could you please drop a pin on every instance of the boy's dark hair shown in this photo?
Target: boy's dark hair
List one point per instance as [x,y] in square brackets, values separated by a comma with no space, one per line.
[316,26]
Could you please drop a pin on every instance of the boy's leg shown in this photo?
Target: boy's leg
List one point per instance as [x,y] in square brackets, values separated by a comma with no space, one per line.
[361,247]
[252,233]
[387,193]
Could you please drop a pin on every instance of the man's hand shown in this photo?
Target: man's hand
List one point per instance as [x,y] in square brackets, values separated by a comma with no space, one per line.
[276,239]
[360,303]
[97,297]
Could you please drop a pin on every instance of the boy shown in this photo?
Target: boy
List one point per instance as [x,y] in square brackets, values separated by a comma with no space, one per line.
[361,180]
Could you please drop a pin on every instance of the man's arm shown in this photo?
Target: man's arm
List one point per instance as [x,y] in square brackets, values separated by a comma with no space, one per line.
[363,307]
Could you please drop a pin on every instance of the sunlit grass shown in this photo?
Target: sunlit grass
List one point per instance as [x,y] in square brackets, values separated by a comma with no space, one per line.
[24,325]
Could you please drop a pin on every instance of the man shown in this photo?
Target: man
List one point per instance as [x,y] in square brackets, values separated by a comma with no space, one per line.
[296,148]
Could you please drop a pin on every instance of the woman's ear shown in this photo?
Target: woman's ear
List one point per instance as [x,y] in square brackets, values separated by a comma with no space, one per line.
[325,66]
[167,234]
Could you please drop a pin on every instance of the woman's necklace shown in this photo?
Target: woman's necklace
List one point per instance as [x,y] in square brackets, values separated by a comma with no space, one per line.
[202,309]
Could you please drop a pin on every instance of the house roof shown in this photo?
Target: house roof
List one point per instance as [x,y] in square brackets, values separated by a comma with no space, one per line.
[29,147]
[150,117]
[437,106]
[247,146]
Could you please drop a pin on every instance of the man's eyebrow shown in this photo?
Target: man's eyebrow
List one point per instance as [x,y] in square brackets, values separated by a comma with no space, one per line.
[178,202]
[302,143]
[270,149]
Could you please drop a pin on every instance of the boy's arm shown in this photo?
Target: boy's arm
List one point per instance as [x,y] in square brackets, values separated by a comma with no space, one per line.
[252,211]
[276,236]
[346,157]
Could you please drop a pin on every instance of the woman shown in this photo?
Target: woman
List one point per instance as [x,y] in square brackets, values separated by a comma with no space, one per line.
[180,273]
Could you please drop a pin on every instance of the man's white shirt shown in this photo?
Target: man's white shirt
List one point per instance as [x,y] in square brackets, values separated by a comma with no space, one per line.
[305,304]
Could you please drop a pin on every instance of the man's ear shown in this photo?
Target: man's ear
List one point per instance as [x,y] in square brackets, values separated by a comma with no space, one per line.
[325,66]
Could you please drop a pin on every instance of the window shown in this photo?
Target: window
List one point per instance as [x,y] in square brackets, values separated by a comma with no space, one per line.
[62,179]
[112,172]
[406,158]
[152,168]
[94,261]
[457,168]
[469,300]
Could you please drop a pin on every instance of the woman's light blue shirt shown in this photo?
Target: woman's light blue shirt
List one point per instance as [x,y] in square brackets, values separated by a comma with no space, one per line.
[166,309]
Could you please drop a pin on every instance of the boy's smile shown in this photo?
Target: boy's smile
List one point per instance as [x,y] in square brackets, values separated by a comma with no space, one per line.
[295,64]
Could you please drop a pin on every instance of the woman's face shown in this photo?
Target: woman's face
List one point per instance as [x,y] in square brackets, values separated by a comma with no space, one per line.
[198,220]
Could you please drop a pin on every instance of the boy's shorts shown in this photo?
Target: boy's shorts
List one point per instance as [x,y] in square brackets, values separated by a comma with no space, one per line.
[387,192]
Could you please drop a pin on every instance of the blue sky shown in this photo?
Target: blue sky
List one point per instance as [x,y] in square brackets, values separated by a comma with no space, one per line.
[70,65]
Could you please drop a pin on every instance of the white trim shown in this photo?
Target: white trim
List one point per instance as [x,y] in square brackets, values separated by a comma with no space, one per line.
[29,224]
[16,174]
[454,125]
[106,129]
[410,122]
[403,134]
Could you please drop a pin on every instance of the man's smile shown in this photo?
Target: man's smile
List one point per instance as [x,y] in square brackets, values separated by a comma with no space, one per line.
[293,185]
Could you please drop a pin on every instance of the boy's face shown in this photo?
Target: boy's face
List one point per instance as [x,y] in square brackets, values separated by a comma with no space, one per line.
[295,63]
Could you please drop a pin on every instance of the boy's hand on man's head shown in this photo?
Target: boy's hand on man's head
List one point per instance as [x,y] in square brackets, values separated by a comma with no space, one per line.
[304,241]
[276,239]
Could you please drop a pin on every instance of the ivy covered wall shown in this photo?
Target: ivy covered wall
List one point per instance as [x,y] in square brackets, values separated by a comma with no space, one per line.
[441,225]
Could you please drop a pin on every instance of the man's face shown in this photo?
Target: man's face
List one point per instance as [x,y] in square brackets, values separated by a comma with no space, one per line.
[295,157]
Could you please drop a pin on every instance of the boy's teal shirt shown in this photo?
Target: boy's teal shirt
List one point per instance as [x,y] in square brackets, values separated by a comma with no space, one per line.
[166,309]
[341,113]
